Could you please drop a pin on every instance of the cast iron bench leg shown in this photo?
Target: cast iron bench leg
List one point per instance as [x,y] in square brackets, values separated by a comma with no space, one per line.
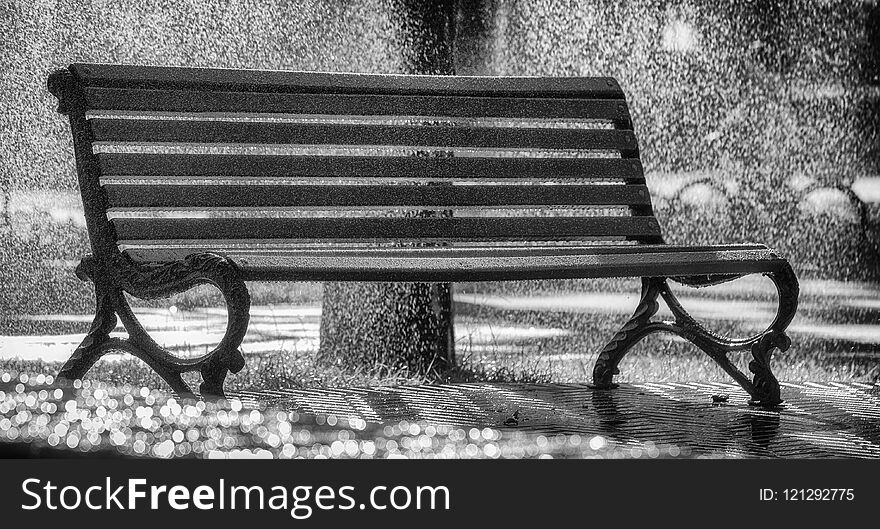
[763,388]
[161,281]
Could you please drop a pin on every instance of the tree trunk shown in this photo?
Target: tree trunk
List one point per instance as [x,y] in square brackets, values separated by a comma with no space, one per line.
[399,327]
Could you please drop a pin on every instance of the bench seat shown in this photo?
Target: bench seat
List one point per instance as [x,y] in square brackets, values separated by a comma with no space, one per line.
[268,262]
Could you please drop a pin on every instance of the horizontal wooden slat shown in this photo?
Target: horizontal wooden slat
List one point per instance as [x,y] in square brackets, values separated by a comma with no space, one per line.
[159,77]
[140,164]
[178,249]
[355,104]
[150,130]
[342,196]
[445,264]
[387,228]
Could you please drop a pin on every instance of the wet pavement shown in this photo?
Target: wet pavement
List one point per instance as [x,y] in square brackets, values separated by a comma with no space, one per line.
[640,420]
[816,420]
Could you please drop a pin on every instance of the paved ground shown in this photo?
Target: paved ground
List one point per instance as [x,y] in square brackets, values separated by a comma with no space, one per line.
[817,420]
[641,420]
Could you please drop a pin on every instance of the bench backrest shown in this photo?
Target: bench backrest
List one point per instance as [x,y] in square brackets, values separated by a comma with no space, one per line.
[222,156]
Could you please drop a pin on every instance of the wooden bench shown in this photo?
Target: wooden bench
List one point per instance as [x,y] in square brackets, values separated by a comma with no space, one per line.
[193,176]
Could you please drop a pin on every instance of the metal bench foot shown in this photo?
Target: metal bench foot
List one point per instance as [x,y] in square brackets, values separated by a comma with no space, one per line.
[763,387]
[160,281]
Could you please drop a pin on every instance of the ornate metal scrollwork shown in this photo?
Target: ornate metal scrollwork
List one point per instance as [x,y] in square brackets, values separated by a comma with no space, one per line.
[765,384]
[763,388]
[161,281]
[84,356]
[628,335]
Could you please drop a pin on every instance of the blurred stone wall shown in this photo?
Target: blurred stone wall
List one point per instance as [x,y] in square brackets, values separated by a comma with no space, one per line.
[757,121]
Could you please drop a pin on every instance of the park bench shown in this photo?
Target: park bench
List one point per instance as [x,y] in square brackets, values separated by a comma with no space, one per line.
[192,176]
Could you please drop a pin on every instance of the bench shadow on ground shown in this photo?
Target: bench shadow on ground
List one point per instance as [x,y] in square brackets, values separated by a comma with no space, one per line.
[817,420]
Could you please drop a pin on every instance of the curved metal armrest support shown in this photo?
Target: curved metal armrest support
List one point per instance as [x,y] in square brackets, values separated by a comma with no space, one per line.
[763,388]
[162,281]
